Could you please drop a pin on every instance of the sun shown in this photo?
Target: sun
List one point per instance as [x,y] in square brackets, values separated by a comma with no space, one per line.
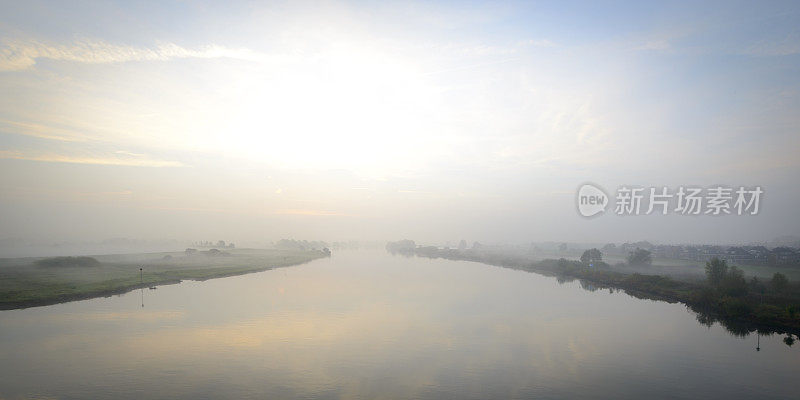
[348,107]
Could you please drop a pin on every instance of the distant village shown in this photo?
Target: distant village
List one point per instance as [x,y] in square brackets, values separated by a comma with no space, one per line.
[220,244]
[756,255]
[785,255]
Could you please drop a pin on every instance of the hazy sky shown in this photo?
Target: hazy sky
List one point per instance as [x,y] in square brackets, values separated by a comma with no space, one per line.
[254,121]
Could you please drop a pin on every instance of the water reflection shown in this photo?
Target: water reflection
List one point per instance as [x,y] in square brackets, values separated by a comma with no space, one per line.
[706,318]
[758,342]
[735,327]
[368,325]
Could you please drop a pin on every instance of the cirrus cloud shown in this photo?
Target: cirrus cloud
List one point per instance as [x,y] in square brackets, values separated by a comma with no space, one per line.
[89,159]
[21,54]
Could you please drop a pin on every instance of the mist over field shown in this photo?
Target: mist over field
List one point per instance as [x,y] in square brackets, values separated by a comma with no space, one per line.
[350,199]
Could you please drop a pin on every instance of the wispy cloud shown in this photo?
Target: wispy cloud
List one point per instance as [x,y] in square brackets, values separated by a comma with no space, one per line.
[660,44]
[111,160]
[41,130]
[541,43]
[22,54]
[317,213]
[490,50]
[128,153]
[788,45]
[245,211]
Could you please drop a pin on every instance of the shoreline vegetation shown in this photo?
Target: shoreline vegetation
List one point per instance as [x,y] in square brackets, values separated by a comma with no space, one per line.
[34,282]
[741,306]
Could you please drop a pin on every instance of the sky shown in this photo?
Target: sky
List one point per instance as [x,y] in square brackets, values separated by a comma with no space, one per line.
[435,121]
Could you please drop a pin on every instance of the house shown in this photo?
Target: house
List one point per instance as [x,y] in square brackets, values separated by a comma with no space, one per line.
[783,256]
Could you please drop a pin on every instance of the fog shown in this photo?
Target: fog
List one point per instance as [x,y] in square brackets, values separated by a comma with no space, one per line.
[399,199]
[173,123]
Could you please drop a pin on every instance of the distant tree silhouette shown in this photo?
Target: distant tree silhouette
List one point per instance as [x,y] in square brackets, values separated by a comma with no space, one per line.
[716,269]
[640,257]
[757,286]
[733,284]
[779,282]
[591,256]
[611,247]
[60,262]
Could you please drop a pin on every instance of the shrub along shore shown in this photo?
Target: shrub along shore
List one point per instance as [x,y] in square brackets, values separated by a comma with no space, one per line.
[742,306]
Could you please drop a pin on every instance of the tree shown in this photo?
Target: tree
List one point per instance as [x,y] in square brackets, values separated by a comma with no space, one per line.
[60,262]
[757,286]
[716,269]
[402,246]
[610,248]
[640,257]
[779,282]
[733,284]
[591,256]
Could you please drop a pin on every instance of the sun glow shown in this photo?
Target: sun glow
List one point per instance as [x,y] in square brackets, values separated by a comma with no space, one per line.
[348,107]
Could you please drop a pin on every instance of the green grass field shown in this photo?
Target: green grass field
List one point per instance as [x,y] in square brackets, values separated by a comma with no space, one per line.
[681,268]
[24,282]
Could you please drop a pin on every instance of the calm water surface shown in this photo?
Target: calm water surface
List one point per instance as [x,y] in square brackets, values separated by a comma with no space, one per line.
[371,325]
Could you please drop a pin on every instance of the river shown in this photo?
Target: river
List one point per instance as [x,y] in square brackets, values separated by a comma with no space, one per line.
[366,325]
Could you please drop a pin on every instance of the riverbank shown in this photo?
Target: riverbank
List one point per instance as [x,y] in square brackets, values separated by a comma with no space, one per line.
[742,314]
[32,282]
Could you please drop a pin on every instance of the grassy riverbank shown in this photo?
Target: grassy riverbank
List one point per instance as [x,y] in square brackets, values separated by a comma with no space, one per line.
[746,311]
[29,282]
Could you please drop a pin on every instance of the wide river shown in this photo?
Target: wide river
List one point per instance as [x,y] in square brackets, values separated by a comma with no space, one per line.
[366,324]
